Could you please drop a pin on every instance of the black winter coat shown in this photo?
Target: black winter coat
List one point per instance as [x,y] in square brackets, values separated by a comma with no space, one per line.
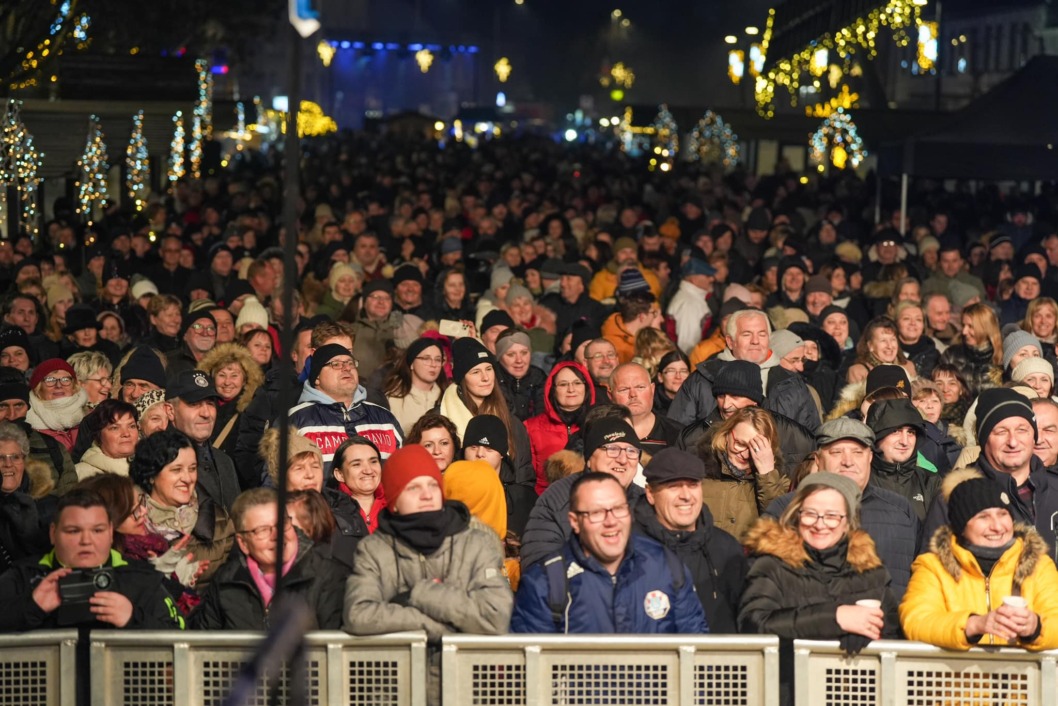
[715,559]
[917,485]
[350,528]
[23,524]
[924,354]
[233,602]
[794,591]
[526,395]
[890,521]
[277,395]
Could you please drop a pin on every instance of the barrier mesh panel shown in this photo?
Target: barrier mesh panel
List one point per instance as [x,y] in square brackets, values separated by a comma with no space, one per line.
[23,683]
[497,685]
[147,683]
[218,677]
[375,682]
[926,687]
[610,684]
[721,685]
[851,686]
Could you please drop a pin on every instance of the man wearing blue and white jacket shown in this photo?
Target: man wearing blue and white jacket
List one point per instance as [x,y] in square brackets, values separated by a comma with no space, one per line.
[607,580]
[333,406]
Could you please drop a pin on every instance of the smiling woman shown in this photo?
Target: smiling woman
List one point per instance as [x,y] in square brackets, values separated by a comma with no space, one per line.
[237,376]
[114,431]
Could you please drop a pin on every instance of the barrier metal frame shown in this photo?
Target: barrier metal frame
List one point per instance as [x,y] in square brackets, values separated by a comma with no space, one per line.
[58,650]
[891,660]
[538,656]
[184,654]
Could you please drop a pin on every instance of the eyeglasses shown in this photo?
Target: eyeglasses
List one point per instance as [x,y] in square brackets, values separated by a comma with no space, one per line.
[597,356]
[203,328]
[596,516]
[616,451]
[141,506]
[831,520]
[101,381]
[64,381]
[570,385]
[267,531]
[340,365]
[430,359]
[10,459]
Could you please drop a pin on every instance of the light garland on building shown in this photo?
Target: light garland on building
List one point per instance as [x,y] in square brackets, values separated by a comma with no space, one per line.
[92,171]
[666,140]
[177,168]
[424,58]
[137,164]
[838,139]
[713,140]
[843,45]
[503,69]
[66,24]
[204,105]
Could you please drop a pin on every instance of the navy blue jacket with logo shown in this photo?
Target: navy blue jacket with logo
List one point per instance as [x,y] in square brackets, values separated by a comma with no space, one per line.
[641,598]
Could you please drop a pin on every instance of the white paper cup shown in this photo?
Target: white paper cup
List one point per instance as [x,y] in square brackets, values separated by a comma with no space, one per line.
[869,603]
[1015,601]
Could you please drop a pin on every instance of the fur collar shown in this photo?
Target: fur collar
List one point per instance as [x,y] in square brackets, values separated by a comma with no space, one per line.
[227,353]
[768,537]
[851,398]
[1032,549]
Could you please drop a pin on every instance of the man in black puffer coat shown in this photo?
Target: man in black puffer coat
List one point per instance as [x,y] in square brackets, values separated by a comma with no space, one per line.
[675,516]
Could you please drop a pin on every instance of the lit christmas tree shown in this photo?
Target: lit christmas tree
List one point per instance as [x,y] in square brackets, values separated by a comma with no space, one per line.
[177,170]
[92,171]
[137,164]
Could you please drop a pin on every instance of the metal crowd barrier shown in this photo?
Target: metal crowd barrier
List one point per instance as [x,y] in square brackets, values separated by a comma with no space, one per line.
[895,673]
[136,668]
[570,670]
[38,668]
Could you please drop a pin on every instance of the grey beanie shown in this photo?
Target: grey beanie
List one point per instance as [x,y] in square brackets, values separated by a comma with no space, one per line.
[784,341]
[517,291]
[835,481]
[500,276]
[1015,342]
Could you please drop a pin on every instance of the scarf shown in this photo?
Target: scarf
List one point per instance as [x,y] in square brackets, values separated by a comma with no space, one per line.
[986,557]
[831,560]
[266,583]
[425,532]
[738,473]
[56,415]
[143,546]
[172,522]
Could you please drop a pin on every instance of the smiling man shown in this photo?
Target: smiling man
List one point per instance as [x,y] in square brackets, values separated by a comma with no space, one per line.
[610,446]
[647,589]
[676,516]
[898,429]
[1007,430]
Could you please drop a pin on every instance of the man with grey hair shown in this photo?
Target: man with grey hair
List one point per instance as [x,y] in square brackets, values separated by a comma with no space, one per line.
[939,326]
[747,335]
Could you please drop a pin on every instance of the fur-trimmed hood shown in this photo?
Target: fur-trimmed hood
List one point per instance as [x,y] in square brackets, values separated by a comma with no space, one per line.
[268,449]
[768,537]
[227,353]
[1033,547]
[850,399]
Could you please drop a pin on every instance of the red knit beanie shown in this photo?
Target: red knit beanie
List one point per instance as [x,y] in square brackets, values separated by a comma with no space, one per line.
[50,366]
[405,465]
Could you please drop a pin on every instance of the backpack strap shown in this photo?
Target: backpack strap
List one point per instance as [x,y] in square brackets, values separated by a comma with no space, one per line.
[557,589]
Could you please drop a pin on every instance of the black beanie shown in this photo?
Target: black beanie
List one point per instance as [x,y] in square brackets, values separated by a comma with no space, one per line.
[14,390]
[997,404]
[583,331]
[486,430]
[971,497]
[496,317]
[607,431]
[466,353]
[144,364]
[742,378]
[418,346]
[323,355]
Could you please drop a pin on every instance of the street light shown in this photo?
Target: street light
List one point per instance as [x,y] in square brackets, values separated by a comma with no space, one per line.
[731,39]
[752,31]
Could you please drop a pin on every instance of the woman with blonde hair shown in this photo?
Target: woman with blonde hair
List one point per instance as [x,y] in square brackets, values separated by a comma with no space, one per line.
[918,347]
[1041,320]
[651,346]
[743,469]
[980,355]
[236,376]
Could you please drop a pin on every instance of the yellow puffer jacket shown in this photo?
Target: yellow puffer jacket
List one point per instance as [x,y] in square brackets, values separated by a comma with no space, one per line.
[947,586]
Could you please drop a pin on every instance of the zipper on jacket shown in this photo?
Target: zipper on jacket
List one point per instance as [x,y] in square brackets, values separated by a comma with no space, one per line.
[988,603]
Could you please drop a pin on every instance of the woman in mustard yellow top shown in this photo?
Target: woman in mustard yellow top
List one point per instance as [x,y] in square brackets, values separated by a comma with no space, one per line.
[985,580]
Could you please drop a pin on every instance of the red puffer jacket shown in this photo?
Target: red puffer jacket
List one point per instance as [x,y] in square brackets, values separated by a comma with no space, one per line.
[547,432]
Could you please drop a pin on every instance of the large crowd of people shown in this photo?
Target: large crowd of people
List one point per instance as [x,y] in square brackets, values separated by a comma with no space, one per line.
[536,388]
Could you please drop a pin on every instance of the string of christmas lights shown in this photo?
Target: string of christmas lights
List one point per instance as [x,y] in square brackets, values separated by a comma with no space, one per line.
[177,169]
[713,140]
[19,167]
[204,105]
[839,139]
[195,151]
[64,26]
[840,47]
[92,171]
[137,164]
[666,139]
